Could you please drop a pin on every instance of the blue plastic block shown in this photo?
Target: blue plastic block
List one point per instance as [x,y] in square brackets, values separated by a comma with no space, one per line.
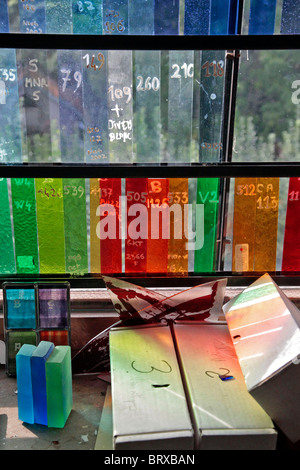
[38,374]
[24,383]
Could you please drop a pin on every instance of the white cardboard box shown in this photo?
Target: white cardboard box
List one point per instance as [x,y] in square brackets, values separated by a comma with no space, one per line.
[148,400]
[225,414]
[264,326]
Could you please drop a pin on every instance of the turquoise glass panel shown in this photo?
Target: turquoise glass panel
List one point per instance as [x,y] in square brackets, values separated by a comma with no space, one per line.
[21,312]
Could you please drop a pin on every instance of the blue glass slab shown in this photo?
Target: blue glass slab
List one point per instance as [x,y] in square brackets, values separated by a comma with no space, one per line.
[10,124]
[4,24]
[115,16]
[59,17]
[38,374]
[196,17]
[290,19]
[262,16]
[32,16]
[20,308]
[219,16]
[87,17]
[141,17]
[24,383]
[70,86]
[166,17]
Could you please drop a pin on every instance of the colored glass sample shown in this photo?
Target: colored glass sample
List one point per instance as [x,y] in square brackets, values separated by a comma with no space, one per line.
[20,308]
[75,225]
[7,257]
[137,225]
[244,225]
[233,17]
[38,373]
[24,383]
[35,94]
[158,226]
[59,17]
[262,16]
[196,17]
[50,223]
[57,337]
[291,246]
[208,195]
[141,17]
[59,386]
[290,18]
[267,203]
[94,221]
[14,341]
[115,16]
[180,106]
[32,16]
[70,84]
[10,125]
[87,17]
[24,220]
[211,102]
[119,104]
[110,225]
[146,117]
[53,307]
[166,17]
[94,65]
[219,16]
[255,224]
[4,24]
[178,254]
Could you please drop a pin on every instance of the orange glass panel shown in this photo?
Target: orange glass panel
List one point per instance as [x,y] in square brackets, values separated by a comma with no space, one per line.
[178,254]
[255,224]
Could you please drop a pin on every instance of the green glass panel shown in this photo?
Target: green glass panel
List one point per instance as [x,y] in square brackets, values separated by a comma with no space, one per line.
[75,225]
[25,229]
[208,195]
[87,17]
[50,223]
[7,257]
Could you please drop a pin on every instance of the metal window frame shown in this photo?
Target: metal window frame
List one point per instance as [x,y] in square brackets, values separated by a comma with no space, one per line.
[224,169]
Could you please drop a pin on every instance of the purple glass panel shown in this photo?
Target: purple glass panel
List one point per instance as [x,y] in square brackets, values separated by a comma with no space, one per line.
[53,307]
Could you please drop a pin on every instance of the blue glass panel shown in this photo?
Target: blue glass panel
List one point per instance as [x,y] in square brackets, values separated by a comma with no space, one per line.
[32,16]
[70,106]
[141,17]
[115,16]
[24,383]
[38,374]
[20,311]
[147,106]
[59,17]
[10,126]
[219,16]
[87,16]
[4,24]
[166,17]
[196,17]
[233,17]
[94,65]
[262,16]
[120,110]
[290,19]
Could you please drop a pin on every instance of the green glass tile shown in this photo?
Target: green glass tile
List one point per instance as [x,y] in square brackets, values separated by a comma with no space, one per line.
[208,195]
[25,229]
[7,257]
[59,386]
[14,341]
[75,225]
[50,223]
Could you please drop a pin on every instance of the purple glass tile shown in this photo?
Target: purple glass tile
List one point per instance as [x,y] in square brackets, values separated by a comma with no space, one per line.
[53,307]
